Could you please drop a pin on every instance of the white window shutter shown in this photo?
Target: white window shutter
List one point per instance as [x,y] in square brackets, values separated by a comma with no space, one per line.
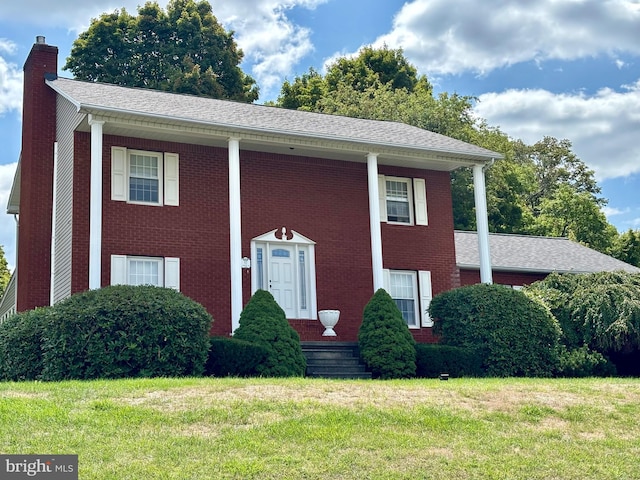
[118,269]
[424,280]
[171,183]
[382,197]
[420,200]
[172,273]
[119,174]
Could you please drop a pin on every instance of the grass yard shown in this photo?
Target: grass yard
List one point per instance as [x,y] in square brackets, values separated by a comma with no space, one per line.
[325,429]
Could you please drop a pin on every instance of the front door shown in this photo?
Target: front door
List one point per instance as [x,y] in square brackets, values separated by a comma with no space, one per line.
[282,283]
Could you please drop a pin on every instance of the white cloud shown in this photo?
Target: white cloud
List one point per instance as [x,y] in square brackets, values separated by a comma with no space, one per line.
[268,38]
[444,37]
[10,86]
[603,127]
[613,212]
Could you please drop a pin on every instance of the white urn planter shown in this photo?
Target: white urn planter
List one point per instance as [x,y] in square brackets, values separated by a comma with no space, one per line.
[329,318]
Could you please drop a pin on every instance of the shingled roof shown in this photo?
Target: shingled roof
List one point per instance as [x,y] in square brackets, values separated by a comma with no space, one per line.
[527,253]
[163,107]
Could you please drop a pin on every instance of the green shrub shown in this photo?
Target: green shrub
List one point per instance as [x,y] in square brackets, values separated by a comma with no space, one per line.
[263,322]
[556,292]
[386,345]
[233,357]
[513,334]
[600,310]
[582,362]
[126,331]
[21,345]
[434,359]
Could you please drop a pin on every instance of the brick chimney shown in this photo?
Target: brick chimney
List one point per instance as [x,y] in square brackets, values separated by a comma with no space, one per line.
[36,185]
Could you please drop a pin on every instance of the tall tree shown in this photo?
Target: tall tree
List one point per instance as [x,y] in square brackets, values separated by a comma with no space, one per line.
[182,50]
[5,274]
[626,247]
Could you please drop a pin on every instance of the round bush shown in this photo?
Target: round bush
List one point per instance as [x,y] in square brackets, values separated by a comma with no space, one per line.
[513,335]
[126,331]
[263,322]
[21,345]
[386,345]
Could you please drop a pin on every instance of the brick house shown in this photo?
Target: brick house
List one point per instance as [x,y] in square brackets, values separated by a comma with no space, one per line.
[219,199]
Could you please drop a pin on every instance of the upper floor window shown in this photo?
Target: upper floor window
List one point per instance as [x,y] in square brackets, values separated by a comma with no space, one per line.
[403,200]
[144,177]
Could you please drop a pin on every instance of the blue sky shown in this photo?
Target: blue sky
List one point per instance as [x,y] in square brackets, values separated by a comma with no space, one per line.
[563,68]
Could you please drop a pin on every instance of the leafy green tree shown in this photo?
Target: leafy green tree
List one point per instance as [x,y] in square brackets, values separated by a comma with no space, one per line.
[575,215]
[182,50]
[5,274]
[626,247]
[371,70]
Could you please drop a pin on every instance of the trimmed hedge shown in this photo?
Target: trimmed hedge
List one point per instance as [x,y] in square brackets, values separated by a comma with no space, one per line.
[434,359]
[263,322]
[231,357]
[513,334]
[21,345]
[126,331]
[386,345]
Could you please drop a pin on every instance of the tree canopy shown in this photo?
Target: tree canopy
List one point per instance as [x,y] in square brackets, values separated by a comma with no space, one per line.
[182,50]
[5,274]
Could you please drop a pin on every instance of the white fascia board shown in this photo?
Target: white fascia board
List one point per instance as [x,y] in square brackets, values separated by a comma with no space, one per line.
[13,204]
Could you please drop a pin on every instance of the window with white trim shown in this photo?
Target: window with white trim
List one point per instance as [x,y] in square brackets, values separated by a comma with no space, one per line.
[149,178]
[136,270]
[403,200]
[403,288]
[411,291]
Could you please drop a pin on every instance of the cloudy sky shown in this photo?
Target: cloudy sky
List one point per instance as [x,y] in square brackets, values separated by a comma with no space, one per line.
[563,68]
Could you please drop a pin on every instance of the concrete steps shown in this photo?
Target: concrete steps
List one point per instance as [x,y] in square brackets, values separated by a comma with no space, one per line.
[334,360]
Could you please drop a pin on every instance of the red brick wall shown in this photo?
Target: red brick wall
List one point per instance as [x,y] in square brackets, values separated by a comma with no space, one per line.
[36,187]
[324,200]
[471,277]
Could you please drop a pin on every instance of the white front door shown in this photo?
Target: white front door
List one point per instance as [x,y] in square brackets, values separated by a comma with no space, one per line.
[283,263]
[282,283]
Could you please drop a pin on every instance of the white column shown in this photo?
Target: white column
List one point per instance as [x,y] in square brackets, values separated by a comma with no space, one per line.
[95,205]
[235,232]
[482,222]
[374,221]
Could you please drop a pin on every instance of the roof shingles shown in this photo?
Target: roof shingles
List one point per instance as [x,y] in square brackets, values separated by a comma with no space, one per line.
[147,102]
[535,254]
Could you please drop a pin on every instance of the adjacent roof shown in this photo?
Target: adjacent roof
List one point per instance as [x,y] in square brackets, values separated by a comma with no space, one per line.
[138,104]
[525,253]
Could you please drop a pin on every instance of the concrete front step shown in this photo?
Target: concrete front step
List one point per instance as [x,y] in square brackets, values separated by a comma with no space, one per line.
[334,360]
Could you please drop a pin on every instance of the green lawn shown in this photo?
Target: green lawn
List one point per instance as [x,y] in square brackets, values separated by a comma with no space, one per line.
[307,428]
